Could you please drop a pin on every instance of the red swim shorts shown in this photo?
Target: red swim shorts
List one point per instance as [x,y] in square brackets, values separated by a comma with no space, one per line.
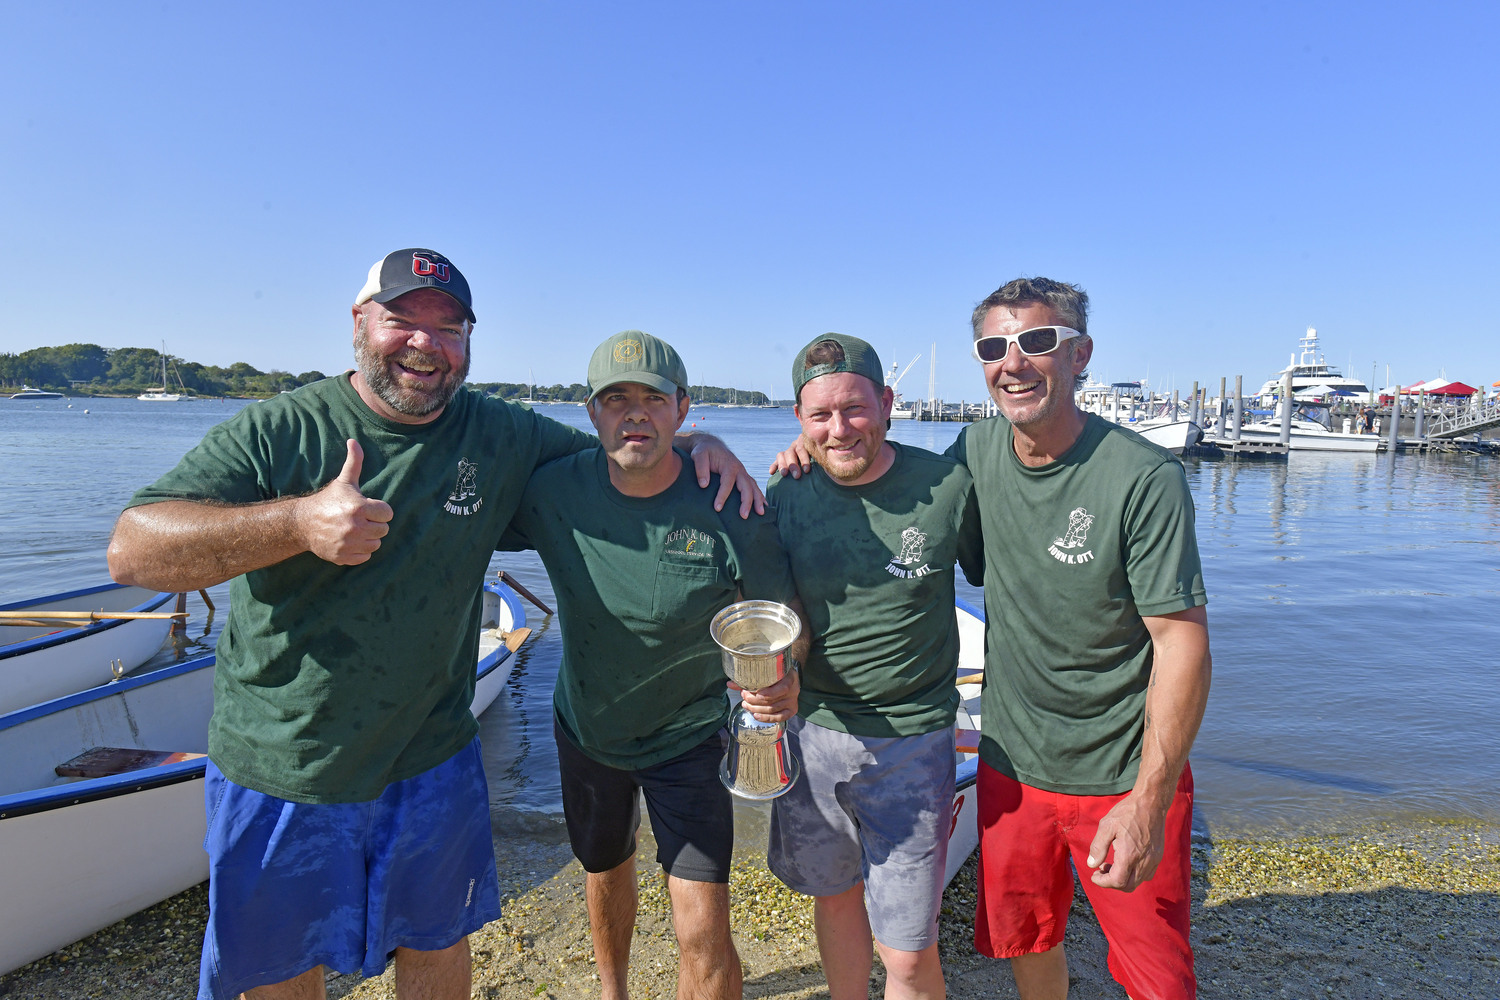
[1027,836]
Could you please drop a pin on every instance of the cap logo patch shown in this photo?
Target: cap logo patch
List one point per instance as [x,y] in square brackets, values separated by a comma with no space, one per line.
[422,267]
[628,352]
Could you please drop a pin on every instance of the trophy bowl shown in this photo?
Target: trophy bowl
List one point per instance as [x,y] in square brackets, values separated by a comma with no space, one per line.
[752,635]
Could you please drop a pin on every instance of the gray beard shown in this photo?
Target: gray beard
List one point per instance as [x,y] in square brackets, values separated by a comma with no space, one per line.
[376,373]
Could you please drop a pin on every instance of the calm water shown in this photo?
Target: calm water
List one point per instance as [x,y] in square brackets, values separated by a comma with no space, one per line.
[1352,606]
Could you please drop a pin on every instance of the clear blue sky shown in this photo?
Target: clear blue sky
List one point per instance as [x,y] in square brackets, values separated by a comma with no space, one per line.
[737,177]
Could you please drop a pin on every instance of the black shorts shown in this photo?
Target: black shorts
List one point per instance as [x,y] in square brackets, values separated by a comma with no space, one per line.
[691,812]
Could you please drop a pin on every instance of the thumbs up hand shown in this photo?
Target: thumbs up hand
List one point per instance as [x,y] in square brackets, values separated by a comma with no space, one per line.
[340,524]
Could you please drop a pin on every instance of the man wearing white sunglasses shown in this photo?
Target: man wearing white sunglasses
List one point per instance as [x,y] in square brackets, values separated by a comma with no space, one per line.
[1097,664]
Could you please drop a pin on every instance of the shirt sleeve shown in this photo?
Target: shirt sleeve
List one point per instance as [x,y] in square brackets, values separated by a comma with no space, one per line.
[970,536]
[556,439]
[225,467]
[1161,544]
[959,449]
[764,572]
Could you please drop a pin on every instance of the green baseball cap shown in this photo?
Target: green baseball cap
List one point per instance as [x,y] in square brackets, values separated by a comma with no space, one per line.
[633,356]
[833,353]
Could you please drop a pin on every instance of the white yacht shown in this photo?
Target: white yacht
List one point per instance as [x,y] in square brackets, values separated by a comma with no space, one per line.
[27,392]
[1311,370]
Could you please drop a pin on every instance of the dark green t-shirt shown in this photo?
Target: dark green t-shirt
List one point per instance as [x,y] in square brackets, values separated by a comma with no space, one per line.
[1075,552]
[335,681]
[873,565]
[637,581]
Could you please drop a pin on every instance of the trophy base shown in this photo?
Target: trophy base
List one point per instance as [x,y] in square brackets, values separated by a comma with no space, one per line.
[747,787]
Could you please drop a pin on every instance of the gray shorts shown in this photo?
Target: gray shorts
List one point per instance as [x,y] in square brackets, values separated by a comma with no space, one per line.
[877,809]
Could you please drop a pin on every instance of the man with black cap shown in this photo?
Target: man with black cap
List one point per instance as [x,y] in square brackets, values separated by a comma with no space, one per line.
[348,816]
[640,564]
[872,534]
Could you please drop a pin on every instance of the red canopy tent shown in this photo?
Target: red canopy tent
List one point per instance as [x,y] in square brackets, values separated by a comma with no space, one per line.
[1452,389]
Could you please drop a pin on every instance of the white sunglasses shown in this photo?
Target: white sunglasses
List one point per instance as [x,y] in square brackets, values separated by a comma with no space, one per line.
[1037,340]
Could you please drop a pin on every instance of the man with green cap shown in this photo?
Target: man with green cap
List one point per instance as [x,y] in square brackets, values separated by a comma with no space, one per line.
[640,563]
[872,533]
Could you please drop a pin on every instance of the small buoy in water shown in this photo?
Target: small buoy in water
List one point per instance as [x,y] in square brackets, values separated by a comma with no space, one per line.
[85,411]
[70,406]
[695,423]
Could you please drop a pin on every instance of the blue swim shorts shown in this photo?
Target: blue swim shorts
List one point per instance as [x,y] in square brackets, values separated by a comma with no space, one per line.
[293,886]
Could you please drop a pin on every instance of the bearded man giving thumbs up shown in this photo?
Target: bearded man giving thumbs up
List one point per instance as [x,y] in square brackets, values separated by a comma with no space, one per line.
[348,818]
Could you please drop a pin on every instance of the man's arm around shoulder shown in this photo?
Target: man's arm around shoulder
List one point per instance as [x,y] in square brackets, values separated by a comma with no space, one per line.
[189,545]
[1175,700]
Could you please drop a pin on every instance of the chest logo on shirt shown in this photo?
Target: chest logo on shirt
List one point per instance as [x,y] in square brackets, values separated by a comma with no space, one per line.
[905,564]
[1062,549]
[463,489]
[690,542]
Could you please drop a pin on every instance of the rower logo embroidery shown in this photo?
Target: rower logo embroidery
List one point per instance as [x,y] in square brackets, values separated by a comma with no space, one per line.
[468,473]
[1078,532]
[904,563]
[422,267]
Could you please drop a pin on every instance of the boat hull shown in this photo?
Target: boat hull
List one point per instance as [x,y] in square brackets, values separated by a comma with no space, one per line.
[1173,435]
[39,664]
[81,854]
[1315,440]
[963,835]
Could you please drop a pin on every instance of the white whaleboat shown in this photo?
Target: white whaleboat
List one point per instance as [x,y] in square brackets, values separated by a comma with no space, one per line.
[44,659]
[964,829]
[101,793]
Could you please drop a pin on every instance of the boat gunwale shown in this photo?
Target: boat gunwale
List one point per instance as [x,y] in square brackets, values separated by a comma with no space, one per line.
[69,634]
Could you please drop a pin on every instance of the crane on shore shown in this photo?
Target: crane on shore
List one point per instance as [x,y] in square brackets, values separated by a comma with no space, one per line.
[893,380]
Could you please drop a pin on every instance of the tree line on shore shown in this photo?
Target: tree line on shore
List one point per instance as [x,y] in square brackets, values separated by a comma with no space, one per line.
[88,369]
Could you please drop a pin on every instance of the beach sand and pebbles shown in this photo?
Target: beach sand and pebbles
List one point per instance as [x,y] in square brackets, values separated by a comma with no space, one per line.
[1404,908]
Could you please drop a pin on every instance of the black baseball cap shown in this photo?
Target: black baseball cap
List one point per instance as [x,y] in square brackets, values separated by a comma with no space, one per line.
[407,270]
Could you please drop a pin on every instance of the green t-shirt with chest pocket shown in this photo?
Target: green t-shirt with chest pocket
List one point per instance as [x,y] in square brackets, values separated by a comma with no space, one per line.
[637,581]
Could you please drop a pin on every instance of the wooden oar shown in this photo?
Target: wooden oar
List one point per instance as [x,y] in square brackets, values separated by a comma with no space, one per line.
[970,678]
[97,616]
[510,582]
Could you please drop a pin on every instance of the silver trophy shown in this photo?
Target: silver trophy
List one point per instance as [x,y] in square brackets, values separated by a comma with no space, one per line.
[753,637]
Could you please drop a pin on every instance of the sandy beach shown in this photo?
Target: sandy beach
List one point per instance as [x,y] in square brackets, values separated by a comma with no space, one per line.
[1405,908]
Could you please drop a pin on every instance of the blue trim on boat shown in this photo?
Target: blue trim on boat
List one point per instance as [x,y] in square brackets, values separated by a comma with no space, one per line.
[967,773]
[512,600]
[91,789]
[109,690]
[966,606]
[69,634]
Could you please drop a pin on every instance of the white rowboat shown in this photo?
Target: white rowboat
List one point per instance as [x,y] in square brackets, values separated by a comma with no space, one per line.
[963,834]
[39,663]
[82,852]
